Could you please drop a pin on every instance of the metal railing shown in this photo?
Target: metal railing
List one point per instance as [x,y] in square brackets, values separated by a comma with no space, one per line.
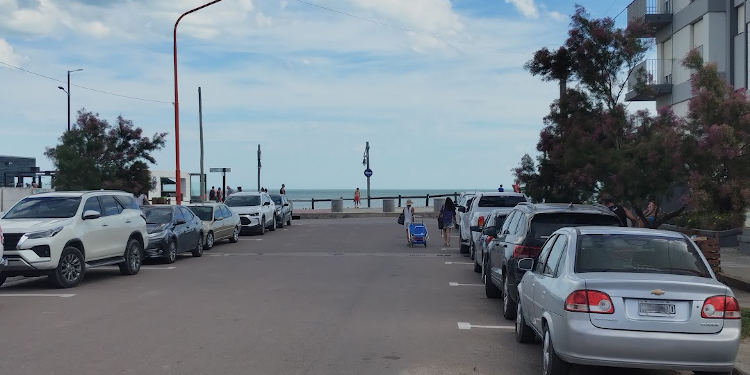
[650,72]
[400,198]
[639,8]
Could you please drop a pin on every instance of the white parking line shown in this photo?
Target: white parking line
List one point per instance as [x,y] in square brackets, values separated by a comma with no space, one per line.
[458,263]
[158,268]
[453,283]
[467,326]
[251,239]
[61,295]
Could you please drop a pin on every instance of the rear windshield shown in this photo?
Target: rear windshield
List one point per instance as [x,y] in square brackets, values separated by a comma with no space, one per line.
[276,199]
[44,208]
[638,254]
[243,200]
[157,215]
[543,225]
[205,213]
[500,201]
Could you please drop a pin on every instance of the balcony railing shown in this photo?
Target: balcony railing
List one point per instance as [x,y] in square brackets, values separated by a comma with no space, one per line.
[655,14]
[650,79]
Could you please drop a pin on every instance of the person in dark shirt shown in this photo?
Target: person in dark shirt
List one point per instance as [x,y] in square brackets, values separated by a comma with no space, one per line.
[622,213]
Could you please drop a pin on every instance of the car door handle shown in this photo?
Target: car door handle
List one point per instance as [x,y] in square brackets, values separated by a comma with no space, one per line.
[105,225]
[128,221]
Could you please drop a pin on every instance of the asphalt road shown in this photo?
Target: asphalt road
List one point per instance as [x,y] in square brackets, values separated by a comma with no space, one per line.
[320,297]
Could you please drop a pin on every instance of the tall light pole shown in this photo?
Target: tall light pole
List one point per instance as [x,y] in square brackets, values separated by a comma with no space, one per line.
[368,171]
[258,167]
[68,93]
[200,125]
[178,184]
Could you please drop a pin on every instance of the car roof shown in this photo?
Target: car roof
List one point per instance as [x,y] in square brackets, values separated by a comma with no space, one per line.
[156,206]
[628,231]
[564,207]
[500,194]
[204,204]
[501,211]
[77,193]
[247,193]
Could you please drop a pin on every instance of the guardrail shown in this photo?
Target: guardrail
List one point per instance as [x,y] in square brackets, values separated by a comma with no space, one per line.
[399,197]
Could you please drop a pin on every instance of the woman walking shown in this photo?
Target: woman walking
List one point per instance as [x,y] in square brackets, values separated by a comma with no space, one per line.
[408,218]
[447,218]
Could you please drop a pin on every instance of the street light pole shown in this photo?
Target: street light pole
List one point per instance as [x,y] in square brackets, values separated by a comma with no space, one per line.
[366,162]
[258,167]
[200,125]
[178,184]
[68,93]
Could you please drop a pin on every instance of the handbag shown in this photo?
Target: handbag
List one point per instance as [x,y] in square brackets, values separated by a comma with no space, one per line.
[401,218]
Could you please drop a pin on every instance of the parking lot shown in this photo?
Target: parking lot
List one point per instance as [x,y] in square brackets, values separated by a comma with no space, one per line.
[323,296]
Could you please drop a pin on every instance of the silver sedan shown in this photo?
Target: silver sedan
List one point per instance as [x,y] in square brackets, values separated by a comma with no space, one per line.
[626,297]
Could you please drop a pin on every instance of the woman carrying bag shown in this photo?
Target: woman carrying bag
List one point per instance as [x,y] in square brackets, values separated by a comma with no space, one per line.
[446,219]
[408,215]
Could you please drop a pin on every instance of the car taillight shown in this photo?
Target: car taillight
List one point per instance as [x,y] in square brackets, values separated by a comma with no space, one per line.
[590,301]
[480,221]
[721,307]
[489,239]
[525,251]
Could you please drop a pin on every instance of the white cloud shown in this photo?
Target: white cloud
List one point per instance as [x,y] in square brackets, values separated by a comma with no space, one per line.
[555,15]
[525,7]
[7,54]
[434,16]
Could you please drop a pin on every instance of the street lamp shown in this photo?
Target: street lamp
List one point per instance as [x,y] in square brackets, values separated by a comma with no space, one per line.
[178,187]
[68,93]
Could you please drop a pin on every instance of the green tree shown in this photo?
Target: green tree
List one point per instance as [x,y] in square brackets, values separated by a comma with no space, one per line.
[97,155]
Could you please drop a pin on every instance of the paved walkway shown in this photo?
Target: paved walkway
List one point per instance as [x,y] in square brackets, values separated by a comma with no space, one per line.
[735,267]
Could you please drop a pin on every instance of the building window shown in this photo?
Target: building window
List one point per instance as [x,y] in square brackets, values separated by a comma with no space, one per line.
[740,19]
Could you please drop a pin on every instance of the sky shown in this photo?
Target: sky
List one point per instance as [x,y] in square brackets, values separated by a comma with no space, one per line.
[436,86]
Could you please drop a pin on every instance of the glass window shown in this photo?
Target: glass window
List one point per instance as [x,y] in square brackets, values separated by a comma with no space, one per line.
[276,199]
[92,204]
[550,265]
[499,221]
[539,268]
[508,221]
[542,225]
[127,201]
[203,212]
[225,211]
[500,200]
[243,200]
[178,215]
[157,215]
[110,206]
[187,214]
[638,254]
[44,207]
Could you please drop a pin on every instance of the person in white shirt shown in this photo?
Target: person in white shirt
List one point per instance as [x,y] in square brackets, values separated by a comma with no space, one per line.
[408,217]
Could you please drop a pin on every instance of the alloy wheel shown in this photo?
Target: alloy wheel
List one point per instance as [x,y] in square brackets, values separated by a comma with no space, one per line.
[135,257]
[545,354]
[210,240]
[236,234]
[71,268]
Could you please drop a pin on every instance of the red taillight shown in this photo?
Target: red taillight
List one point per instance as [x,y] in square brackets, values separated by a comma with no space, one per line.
[721,307]
[480,221]
[489,239]
[590,301]
[525,251]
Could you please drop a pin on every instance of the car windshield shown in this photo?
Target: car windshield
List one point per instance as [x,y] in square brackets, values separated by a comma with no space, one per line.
[157,215]
[243,200]
[44,208]
[638,254]
[276,199]
[500,201]
[543,225]
[205,213]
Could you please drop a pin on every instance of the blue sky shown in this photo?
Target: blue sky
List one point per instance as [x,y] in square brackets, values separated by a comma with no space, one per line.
[436,86]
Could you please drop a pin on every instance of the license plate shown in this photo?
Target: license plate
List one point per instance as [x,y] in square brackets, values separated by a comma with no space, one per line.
[659,309]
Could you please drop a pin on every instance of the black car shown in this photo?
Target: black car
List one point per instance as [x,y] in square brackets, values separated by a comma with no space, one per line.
[172,230]
[283,211]
[522,235]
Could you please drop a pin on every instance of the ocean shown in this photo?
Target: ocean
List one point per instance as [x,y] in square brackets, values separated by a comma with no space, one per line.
[348,194]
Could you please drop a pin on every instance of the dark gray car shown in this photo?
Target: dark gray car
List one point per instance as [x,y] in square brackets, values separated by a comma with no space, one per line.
[283,210]
[172,230]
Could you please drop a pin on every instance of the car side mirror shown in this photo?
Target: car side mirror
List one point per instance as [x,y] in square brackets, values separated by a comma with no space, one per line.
[491,231]
[526,264]
[286,204]
[462,209]
[267,204]
[475,228]
[180,222]
[218,218]
[91,214]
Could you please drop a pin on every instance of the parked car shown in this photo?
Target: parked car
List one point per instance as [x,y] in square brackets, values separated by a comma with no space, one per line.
[627,297]
[481,205]
[3,261]
[283,209]
[218,222]
[172,230]
[487,235]
[256,211]
[61,234]
[464,200]
[522,236]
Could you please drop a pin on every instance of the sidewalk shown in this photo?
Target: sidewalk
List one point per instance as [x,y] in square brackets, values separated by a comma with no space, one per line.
[360,212]
[735,272]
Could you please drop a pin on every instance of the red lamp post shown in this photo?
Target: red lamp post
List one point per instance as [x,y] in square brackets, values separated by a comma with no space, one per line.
[178,184]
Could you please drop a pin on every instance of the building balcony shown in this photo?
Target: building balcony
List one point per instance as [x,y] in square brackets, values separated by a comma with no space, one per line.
[653,14]
[649,80]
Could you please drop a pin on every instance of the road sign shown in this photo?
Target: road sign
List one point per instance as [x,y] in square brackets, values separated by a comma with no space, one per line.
[368,172]
[221,169]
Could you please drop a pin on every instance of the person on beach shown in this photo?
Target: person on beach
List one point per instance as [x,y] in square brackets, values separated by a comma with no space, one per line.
[408,217]
[650,212]
[219,197]
[212,194]
[282,191]
[447,219]
[356,198]
[500,189]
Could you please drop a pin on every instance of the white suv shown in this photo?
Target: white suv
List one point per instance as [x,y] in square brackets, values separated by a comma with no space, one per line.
[60,234]
[257,211]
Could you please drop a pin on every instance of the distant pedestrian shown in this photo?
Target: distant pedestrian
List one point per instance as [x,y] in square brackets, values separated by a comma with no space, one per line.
[356,198]
[34,185]
[622,213]
[219,197]
[229,191]
[212,194]
[650,212]
[500,189]
[239,189]
[141,199]
[408,218]
[447,218]
[282,191]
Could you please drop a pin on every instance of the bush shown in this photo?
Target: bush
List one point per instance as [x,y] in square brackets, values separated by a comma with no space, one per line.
[709,220]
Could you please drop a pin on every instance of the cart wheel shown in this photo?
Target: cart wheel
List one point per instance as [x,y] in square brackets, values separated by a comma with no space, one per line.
[425,244]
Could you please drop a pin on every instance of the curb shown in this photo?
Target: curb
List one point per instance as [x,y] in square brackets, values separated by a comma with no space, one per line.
[347,215]
[734,283]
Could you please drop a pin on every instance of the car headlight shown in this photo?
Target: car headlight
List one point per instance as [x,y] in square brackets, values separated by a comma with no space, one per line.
[43,233]
[255,214]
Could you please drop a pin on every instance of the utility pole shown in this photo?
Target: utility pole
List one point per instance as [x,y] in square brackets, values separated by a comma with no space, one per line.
[200,125]
[258,167]
[68,93]
[368,171]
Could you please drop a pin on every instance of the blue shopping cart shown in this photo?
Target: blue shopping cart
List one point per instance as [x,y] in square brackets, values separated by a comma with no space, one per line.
[417,233]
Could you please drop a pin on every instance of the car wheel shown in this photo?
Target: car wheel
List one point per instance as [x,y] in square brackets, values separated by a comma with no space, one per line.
[262,226]
[509,308]
[235,235]
[2,279]
[524,334]
[70,269]
[273,224]
[133,258]
[551,363]
[490,290]
[198,251]
[171,254]
[477,266]
[210,240]
[281,223]
[472,249]
[289,221]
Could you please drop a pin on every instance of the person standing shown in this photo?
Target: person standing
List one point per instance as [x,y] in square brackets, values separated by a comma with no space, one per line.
[500,189]
[356,198]
[141,199]
[622,213]
[447,219]
[212,194]
[408,217]
[229,191]
[650,212]
[282,191]
[239,189]
[219,197]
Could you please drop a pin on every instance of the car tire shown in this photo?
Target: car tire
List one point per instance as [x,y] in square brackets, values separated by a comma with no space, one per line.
[472,249]
[280,223]
[70,269]
[509,307]
[235,235]
[210,240]
[171,252]
[2,279]
[133,258]
[490,290]
[524,333]
[273,224]
[262,229]
[551,363]
[198,251]
[289,222]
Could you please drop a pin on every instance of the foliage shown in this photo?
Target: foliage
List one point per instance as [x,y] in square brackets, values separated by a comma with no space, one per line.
[97,155]
[710,220]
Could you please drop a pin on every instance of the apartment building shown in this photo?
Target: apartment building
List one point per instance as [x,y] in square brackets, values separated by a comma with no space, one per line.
[716,28]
